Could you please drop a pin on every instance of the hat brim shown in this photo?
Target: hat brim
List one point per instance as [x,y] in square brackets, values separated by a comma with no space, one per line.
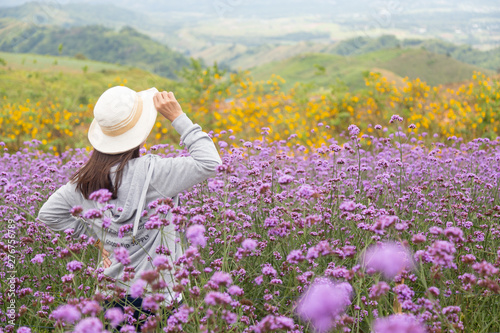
[133,137]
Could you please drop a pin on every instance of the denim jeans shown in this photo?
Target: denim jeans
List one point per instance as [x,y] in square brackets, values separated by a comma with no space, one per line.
[136,303]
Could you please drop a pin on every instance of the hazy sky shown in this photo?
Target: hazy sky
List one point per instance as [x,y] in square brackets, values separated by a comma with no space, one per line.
[277,7]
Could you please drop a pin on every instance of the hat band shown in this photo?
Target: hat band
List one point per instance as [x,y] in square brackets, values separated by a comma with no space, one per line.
[127,123]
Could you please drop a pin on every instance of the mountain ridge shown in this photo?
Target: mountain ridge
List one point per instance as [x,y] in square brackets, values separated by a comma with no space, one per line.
[126,46]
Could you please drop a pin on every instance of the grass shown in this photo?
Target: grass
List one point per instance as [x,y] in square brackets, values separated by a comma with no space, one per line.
[38,78]
[45,63]
[433,68]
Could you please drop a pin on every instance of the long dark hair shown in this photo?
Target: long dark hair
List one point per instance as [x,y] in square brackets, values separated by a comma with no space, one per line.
[95,174]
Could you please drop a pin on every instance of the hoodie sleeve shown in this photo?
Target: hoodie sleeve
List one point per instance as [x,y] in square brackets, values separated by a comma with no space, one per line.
[174,175]
[55,213]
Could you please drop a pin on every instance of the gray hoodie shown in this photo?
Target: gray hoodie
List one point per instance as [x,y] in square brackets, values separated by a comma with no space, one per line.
[144,180]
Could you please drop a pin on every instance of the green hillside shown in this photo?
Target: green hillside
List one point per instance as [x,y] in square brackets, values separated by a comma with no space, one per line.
[239,56]
[49,78]
[465,53]
[328,69]
[45,63]
[125,47]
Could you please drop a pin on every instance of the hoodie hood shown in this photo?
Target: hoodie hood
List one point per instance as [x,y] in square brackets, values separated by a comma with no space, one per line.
[130,188]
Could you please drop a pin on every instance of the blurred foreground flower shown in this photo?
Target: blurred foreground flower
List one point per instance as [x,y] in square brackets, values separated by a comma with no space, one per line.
[195,234]
[323,302]
[400,323]
[388,258]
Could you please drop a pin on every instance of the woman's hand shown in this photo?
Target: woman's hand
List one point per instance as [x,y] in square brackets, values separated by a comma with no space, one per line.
[167,105]
[105,254]
[105,258]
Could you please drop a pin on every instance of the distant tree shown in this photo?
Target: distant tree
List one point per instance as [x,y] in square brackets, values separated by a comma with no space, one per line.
[3,62]
[320,70]
[132,32]
[85,69]
[80,56]
[60,48]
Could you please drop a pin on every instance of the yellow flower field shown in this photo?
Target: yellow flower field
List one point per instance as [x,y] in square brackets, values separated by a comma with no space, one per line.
[468,110]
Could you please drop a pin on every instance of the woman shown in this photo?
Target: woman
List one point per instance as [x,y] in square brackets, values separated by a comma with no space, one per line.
[122,121]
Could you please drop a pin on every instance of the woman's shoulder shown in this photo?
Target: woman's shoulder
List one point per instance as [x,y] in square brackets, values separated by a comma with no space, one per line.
[148,157]
[133,163]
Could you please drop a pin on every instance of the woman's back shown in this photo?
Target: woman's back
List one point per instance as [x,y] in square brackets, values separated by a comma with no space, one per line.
[167,178]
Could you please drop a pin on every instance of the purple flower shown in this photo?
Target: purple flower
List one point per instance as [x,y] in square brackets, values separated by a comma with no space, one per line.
[67,278]
[436,230]
[101,196]
[124,229]
[249,244]
[93,214]
[221,279]
[271,222]
[305,191]
[229,317]
[269,270]
[38,259]
[323,302]
[378,290]
[115,316]
[161,261]
[434,291]
[137,289]
[128,329]
[106,222]
[89,325]
[76,210]
[387,258]
[235,290]
[382,223]
[484,268]
[285,179]
[353,130]
[74,265]
[378,127]
[454,234]
[195,234]
[441,253]
[92,308]
[272,323]
[418,238]
[403,292]
[348,206]
[67,313]
[122,255]
[295,256]
[398,323]
[217,298]
[23,329]
[395,118]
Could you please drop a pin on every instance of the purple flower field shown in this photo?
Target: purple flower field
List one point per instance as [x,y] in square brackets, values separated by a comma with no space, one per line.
[379,234]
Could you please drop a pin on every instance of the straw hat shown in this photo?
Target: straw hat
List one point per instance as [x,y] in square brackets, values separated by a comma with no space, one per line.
[123,119]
